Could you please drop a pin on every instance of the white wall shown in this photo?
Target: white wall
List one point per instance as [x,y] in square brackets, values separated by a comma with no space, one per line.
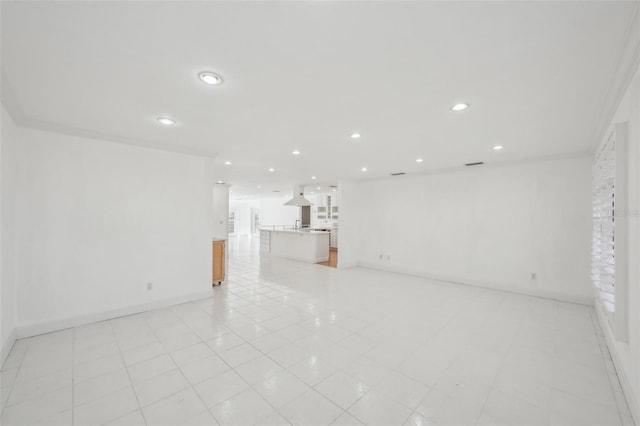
[627,355]
[272,212]
[99,220]
[490,226]
[8,168]
[221,211]
[349,228]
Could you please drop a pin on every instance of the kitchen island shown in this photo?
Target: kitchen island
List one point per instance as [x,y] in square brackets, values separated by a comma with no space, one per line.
[304,245]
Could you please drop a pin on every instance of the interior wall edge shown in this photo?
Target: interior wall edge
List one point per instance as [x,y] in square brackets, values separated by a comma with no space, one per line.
[6,346]
[546,294]
[41,327]
[633,401]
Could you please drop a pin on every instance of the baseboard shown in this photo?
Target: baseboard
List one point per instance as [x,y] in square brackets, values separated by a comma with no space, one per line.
[625,383]
[41,327]
[582,300]
[346,265]
[6,346]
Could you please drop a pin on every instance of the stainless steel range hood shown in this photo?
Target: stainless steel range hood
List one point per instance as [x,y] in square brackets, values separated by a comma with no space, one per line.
[298,199]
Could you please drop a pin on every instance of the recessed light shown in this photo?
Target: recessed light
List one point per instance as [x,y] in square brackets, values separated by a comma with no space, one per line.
[227,163]
[498,147]
[459,107]
[311,192]
[210,78]
[419,160]
[258,187]
[296,152]
[220,182]
[318,188]
[166,121]
[271,169]
[313,177]
[334,190]
[364,169]
[355,135]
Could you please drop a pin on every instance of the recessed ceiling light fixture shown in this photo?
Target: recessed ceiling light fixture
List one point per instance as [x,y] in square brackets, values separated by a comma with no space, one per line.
[166,121]
[364,169]
[271,169]
[210,78]
[313,177]
[258,187]
[419,160]
[318,188]
[498,148]
[220,182]
[296,152]
[355,135]
[334,190]
[459,107]
[227,163]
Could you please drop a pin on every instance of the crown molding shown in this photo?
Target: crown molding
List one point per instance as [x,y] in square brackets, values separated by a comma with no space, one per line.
[13,107]
[625,70]
[90,134]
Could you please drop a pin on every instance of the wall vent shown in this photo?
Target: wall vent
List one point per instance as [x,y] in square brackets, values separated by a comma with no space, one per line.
[398,174]
[479,163]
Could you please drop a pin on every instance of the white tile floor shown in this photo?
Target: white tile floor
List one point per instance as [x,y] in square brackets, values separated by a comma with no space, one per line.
[289,343]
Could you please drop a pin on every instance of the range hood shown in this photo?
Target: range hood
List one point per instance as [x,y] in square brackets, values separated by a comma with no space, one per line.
[298,199]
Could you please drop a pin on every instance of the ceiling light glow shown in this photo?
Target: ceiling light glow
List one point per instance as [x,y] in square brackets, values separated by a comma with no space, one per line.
[419,160]
[498,147]
[364,169]
[296,152]
[459,107]
[210,78]
[355,135]
[227,163]
[166,121]
[271,169]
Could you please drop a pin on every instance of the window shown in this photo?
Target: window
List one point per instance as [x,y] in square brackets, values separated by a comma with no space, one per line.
[609,251]
[232,222]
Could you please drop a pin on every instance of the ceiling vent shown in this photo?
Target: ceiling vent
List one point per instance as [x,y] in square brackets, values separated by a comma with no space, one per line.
[333,186]
[479,163]
[398,174]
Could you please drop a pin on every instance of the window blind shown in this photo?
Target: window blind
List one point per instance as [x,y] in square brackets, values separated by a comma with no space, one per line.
[610,229]
[603,242]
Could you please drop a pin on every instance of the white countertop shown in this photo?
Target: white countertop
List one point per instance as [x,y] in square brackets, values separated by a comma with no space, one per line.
[296,231]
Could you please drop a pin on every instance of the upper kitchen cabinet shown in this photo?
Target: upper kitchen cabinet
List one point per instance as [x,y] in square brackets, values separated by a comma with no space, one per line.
[327,207]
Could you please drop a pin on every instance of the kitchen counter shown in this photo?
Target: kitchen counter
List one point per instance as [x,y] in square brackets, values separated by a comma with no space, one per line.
[304,245]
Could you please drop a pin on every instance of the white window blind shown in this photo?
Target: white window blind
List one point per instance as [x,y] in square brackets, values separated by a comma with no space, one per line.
[603,248]
[609,198]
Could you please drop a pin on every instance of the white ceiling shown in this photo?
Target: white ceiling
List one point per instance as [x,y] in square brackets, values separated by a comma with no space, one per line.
[304,75]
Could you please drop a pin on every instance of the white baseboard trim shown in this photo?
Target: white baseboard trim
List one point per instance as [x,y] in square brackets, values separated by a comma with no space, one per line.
[582,300]
[632,399]
[6,346]
[42,327]
[346,265]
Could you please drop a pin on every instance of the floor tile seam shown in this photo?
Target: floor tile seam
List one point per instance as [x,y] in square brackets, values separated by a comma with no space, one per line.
[179,368]
[600,336]
[252,387]
[126,367]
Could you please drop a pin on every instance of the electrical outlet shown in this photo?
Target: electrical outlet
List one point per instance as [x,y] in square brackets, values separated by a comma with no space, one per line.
[149,286]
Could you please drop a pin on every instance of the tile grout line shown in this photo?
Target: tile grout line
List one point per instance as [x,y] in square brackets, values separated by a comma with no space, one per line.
[126,369]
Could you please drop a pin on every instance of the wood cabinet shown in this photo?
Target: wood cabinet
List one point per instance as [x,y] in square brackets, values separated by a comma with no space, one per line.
[219,261]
